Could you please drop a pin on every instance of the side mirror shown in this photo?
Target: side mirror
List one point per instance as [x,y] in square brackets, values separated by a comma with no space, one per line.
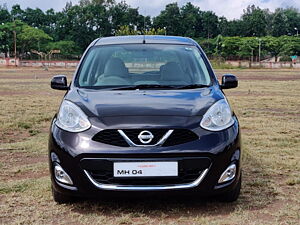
[229,81]
[59,82]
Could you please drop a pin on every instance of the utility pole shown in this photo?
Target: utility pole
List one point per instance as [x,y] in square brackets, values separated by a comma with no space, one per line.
[259,48]
[15,42]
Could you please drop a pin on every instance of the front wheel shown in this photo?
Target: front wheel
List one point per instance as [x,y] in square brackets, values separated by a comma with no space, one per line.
[62,198]
[232,195]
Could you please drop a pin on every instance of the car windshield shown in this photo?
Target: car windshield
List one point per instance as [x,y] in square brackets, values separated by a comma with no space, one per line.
[143,66]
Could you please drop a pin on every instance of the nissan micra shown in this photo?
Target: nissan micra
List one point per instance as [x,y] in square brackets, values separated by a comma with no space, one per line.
[144,114]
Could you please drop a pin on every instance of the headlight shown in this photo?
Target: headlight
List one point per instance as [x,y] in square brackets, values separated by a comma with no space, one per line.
[71,118]
[218,117]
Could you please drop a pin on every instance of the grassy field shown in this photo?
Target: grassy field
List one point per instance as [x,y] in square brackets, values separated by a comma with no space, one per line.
[267,103]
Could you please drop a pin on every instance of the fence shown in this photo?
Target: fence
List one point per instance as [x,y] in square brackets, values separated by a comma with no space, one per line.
[36,63]
[269,65]
[65,64]
[73,64]
[9,62]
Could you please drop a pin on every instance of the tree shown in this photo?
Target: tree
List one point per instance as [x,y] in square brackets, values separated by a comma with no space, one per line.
[171,19]
[223,26]
[122,14]
[218,48]
[7,38]
[50,25]
[127,30]
[254,21]
[34,17]
[67,48]
[279,23]
[4,39]
[96,2]
[17,13]
[191,20]
[292,21]
[153,31]
[4,14]
[208,45]
[247,47]
[235,28]
[290,46]
[32,38]
[272,45]
[210,24]
[230,46]
[82,24]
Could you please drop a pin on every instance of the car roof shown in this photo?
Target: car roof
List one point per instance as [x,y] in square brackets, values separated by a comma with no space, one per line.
[145,39]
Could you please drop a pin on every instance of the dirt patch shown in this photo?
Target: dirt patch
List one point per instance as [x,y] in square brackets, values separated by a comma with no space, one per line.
[19,158]
[28,73]
[29,93]
[247,131]
[25,82]
[248,93]
[12,136]
[21,175]
[273,78]
[256,93]
[152,207]
[273,75]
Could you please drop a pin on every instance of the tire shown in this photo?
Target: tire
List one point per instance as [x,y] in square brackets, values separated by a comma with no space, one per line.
[232,195]
[62,198]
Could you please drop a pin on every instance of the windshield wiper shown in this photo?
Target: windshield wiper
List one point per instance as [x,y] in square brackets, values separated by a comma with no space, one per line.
[145,86]
[192,86]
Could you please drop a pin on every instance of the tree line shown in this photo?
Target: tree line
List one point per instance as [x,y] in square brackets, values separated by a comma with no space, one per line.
[257,32]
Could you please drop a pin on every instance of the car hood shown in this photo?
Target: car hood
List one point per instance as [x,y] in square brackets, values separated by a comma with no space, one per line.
[108,103]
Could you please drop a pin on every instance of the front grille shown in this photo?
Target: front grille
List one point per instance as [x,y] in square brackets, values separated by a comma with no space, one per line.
[189,169]
[133,134]
[110,137]
[180,136]
[113,137]
[106,177]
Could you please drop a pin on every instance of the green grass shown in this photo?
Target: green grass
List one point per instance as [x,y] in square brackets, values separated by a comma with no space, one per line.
[221,65]
[266,102]
[15,187]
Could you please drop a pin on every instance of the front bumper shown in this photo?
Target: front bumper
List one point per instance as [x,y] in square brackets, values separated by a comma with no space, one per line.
[220,148]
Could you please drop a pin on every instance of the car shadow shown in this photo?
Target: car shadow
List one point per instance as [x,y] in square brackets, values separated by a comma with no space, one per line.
[257,192]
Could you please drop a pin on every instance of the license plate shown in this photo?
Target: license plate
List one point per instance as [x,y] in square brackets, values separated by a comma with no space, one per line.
[145,169]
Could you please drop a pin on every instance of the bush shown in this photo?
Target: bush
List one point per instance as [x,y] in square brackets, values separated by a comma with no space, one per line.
[216,64]
[285,58]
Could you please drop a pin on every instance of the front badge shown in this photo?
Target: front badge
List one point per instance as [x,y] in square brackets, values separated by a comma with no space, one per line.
[145,137]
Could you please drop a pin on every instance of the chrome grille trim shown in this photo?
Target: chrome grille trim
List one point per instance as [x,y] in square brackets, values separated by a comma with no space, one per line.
[132,144]
[113,187]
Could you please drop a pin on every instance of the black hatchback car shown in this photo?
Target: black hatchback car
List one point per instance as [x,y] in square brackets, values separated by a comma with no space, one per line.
[144,114]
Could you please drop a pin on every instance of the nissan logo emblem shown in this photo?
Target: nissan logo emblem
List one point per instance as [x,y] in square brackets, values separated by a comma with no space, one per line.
[145,137]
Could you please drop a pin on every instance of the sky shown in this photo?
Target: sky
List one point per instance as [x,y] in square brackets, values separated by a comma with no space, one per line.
[232,9]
